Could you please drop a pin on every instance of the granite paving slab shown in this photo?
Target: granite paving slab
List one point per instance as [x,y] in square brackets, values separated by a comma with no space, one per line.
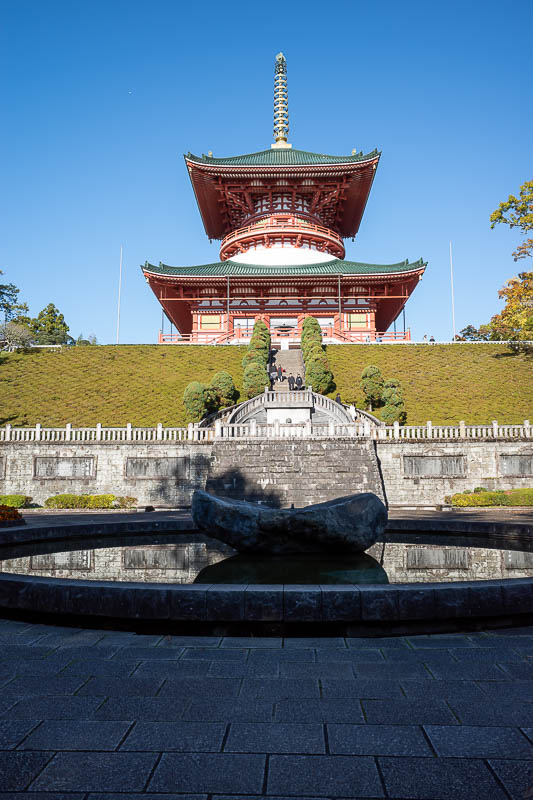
[200,688]
[183,737]
[151,709]
[397,712]
[94,772]
[169,669]
[331,669]
[261,737]
[233,710]
[100,668]
[319,711]
[281,689]
[12,732]
[120,687]
[19,769]
[339,776]
[49,685]
[516,776]
[439,779]
[478,742]
[246,670]
[49,707]
[380,740]
[359,688]
[76,735]
[209,772]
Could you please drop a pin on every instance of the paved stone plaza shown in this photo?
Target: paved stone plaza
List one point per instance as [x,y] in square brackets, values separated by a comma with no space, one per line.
[95,715]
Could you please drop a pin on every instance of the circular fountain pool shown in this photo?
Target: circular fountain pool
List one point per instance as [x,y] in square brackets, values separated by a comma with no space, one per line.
[416,578]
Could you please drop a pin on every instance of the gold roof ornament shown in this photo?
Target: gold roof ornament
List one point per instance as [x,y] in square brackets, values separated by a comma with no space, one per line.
[281,103]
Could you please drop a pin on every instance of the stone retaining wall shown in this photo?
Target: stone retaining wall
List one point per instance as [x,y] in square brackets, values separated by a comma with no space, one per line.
[299,471]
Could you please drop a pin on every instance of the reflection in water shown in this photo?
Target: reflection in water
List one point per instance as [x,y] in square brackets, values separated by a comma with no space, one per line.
[303,569]
[194,558]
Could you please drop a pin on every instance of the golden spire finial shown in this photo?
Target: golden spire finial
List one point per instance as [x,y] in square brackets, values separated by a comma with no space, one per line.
[281,102]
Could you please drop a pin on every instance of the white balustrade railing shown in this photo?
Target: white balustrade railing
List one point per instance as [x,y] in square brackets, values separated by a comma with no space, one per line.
[252,429]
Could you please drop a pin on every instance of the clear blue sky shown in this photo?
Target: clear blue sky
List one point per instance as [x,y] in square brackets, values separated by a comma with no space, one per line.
[100,99]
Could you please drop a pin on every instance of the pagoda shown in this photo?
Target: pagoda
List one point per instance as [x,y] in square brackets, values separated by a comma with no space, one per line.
[281,216]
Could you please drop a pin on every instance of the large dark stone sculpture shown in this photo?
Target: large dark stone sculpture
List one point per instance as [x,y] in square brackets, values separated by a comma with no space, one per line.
[344,525]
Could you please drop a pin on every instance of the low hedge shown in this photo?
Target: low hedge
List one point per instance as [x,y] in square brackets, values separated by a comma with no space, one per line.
[511,497]
[14,500]
[89,501]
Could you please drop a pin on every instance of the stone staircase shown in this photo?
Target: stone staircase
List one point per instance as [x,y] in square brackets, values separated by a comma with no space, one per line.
[290,361]
[280,472]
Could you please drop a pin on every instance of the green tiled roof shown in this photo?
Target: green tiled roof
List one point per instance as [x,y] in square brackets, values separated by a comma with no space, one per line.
[334,267]
[280,157]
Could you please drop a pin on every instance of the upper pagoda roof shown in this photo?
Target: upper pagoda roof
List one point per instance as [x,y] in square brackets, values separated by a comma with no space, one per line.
[280,157]
[338,186]
[334,267]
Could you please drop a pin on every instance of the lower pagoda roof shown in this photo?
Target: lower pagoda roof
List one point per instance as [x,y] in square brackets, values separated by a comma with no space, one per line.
[221,269]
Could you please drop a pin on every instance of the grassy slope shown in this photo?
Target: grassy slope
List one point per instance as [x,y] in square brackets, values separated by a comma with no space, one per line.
[444,383]
[141,384]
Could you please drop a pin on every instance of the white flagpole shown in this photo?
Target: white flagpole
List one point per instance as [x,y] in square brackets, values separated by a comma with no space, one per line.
[119,291]
[453,295]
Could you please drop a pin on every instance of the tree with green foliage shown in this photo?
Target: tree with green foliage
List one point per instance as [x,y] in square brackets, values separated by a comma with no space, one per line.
[517,212]
[9,305]
[49,327]
[372,385]
[198,400]
[254,379]
[223,389]
[393,403]
[90,340]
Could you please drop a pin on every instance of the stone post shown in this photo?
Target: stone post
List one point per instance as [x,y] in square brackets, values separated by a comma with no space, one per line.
[253,427]
[331,428]
[527,429]
[8,432]
[462,429]
[366,427]
[429,428]
[128,432]
[159,434]
[218,429]
[276,429]
[396,429]
[98,431]
[38,432]
[68,431]
[308,428]
[495,428]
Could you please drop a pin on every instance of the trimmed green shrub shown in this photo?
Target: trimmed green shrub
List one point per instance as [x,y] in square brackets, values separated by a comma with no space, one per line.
[198,400]
[14,500]
[223,389]
[89,501]
[310,324]
[311,343]
[393,403]
[253,355]
[318,376]
[372,385]
[512,497]
[126,502]
[480,489]
[316,353]
[254,379]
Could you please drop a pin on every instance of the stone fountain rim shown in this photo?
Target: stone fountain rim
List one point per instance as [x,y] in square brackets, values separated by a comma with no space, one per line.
[429,604]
